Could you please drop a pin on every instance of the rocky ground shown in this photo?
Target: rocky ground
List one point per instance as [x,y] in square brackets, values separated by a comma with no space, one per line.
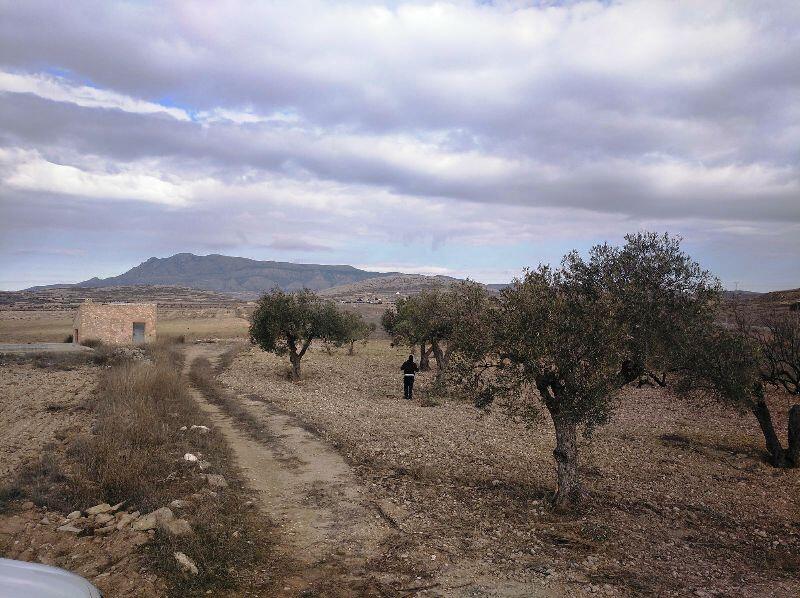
[39,406]
[100,545]
[187,527]
[679,499]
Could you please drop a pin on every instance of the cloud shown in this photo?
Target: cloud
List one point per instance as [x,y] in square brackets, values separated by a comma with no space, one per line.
[389,125]
[290,243]
[58,89]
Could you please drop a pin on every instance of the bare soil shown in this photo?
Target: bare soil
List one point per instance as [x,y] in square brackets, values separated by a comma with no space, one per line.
[39,407]
[325,522]
[680,501]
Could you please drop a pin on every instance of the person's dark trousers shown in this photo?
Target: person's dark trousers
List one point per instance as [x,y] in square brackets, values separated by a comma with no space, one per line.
[408,387]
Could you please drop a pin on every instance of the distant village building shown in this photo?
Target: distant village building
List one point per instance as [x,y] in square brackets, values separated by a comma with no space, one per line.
[115,323]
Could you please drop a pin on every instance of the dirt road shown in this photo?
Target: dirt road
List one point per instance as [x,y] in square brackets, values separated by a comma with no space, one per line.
[329,528]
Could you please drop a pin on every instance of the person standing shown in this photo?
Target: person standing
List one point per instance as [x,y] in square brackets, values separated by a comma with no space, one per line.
[409,369]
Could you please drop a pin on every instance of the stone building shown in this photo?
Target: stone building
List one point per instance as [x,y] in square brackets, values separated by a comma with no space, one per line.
[115,323]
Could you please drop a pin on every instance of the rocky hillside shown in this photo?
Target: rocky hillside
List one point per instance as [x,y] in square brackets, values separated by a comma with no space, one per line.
[227,274]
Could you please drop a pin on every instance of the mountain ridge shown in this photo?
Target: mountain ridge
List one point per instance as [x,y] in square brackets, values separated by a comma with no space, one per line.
[228,274]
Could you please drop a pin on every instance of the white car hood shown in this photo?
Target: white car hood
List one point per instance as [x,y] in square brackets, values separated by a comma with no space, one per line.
[19,579]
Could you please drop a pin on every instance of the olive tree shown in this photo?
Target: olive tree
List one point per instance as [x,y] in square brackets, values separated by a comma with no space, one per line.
[570,338]
[287,323]
[430,319]
[355,329]
[735,365]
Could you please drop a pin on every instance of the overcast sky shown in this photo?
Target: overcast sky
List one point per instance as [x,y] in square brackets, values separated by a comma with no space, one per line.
[465,138]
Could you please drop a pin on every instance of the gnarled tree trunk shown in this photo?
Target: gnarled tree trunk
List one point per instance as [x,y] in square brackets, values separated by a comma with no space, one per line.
[568,492]
[793,454]
[295,356]
[424,358]
[774,447]
[442,357]
[294,359]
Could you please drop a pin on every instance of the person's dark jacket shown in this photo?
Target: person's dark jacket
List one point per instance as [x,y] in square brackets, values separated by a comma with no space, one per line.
[409,367]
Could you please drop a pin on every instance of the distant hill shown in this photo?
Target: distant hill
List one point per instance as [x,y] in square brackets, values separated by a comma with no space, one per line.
[389,284]
[227,274]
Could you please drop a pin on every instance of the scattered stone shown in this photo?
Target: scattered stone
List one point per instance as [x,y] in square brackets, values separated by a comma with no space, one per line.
[27,505]
[103,531]
[103,518]
[216,480]
[190,457]
[201,429]
[74,515]
[182,428]
[127,518]
[179,504]
[69,529]
[177,528]
[203,465]
[186,563]
[97,509]
[44,521]
[118,506]
[152,520]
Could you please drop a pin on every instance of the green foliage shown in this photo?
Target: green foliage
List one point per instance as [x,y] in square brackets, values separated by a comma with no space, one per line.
[282,321]
[575,335]
[289,322]
[572,337]
[724,365]
[355,328]
[440,317]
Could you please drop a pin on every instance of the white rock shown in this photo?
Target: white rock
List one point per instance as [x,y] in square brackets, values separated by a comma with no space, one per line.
[185,563]
[201,429]
[152,520]
[127,518]
[182,428]
[103,518]
[177,528]
[70,529]
[190,457]
[101,508]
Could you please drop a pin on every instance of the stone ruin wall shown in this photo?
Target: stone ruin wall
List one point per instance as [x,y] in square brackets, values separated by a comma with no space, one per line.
[113,323]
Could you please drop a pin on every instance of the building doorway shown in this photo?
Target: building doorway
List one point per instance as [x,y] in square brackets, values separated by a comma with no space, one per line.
[138,333]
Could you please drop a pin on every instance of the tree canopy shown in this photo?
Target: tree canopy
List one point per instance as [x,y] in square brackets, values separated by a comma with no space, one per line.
[287,323]
[572,337]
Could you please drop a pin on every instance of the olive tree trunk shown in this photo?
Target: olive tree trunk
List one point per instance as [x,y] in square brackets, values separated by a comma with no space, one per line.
[442,357]
[793,454]
[568,492]
[295,356]
[424,358]
[774,447]
[294,359]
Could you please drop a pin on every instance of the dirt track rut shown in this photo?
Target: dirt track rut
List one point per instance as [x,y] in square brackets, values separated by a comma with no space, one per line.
[328,527]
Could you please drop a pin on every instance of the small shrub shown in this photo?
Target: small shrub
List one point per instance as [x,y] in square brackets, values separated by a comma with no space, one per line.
[92,343]
[68,338]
